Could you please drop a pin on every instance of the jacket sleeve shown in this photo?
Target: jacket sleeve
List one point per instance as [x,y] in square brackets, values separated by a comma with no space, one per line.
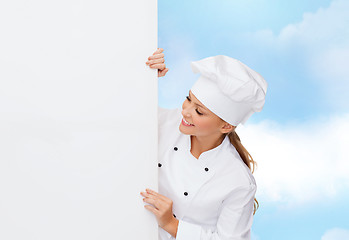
[234,221]
[168,116]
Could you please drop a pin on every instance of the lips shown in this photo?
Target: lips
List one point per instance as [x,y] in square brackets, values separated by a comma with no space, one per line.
[186,123]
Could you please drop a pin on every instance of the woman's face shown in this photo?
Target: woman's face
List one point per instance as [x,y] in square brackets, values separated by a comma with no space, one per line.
[202,121]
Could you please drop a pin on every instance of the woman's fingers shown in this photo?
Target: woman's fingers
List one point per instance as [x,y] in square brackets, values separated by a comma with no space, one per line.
[162,72]
[160,205]
[157,195]
[159,55]
[153,195]
[152,209]
[159,50]
[153,202]
[158,60]
[160,66]
[152,199]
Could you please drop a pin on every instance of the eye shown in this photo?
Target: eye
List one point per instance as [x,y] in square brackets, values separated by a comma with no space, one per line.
[199,112]
[195,109]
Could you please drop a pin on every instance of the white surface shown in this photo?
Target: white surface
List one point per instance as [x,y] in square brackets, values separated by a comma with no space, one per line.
[78,119]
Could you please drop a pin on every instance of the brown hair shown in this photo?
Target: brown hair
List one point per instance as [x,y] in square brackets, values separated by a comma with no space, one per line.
[246,157]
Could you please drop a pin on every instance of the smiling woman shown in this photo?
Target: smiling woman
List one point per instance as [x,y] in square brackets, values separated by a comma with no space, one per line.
[206,186]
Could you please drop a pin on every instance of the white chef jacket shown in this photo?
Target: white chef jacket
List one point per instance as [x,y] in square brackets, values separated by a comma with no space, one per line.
[213,195]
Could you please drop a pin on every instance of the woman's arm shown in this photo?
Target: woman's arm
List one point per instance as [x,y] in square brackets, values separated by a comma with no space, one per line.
[234,222]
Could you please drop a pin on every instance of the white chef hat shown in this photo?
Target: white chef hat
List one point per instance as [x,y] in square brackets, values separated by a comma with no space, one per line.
[229,88]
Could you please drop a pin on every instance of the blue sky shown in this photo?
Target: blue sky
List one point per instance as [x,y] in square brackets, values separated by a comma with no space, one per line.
[299,139]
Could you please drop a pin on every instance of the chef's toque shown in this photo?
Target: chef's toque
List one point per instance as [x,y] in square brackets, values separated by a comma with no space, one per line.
[229,88]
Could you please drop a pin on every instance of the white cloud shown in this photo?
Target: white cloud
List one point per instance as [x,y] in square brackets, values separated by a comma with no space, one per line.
[336,234]
[321,41]
[299,162]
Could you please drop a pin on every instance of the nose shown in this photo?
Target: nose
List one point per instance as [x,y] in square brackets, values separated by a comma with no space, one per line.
[185,112]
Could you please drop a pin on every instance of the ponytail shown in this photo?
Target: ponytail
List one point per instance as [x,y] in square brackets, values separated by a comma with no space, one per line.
[245,156]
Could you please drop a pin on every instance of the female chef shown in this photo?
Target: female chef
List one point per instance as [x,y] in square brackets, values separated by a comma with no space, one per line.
[206,187]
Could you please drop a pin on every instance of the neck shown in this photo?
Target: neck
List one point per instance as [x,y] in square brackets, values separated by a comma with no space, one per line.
[202,144]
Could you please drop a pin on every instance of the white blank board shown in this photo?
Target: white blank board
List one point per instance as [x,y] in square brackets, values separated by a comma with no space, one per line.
[78,119]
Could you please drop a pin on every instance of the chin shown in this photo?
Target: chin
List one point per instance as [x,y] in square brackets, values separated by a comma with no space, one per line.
[180,127]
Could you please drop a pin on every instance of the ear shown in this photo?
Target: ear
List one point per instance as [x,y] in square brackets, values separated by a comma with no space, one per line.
[227,128]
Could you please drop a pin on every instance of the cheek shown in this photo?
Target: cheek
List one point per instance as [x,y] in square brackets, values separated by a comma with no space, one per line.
[204,123]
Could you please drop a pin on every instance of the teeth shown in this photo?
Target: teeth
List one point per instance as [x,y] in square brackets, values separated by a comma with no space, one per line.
[187,122]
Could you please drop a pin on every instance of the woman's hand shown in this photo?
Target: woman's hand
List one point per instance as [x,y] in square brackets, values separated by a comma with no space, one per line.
[157,61]
[162,210]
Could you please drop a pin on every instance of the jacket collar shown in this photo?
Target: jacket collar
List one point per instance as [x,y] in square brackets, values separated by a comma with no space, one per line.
[209,157]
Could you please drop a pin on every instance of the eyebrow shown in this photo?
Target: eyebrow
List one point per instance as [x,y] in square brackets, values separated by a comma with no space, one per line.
[197,103]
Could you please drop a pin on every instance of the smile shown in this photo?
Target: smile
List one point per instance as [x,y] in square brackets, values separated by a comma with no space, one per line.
[185,123]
